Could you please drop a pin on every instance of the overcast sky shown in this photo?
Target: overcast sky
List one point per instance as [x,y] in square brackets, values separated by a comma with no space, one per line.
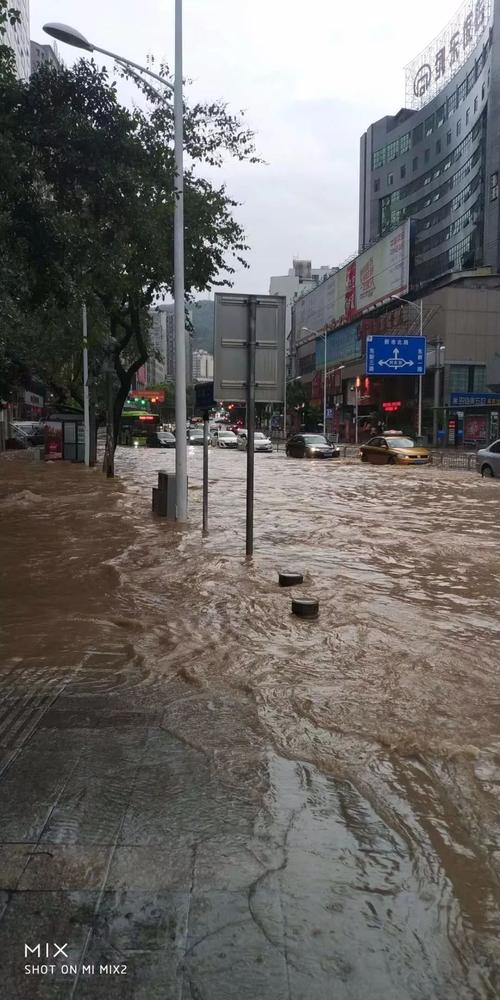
[311,77]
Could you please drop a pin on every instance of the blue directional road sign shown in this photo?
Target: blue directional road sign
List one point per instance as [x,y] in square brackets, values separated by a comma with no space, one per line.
[395,355]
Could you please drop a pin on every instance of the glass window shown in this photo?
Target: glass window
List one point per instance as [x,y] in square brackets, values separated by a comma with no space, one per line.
[494,186]
[392,150]
[427,155]
[376,184]
[379,158]
[482,92]
[415,162]
[459,126]
[440,115]
[390,180]
[459,378]
[429,124]
[448,138]
[467,116]
[452,103]
[403,171]
[462,92]
[417,134]
[479,378]
[404,143]
[475,104]
[471,79]
[438,147]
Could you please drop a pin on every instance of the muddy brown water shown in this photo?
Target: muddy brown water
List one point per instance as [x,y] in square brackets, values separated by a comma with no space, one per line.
[392,697]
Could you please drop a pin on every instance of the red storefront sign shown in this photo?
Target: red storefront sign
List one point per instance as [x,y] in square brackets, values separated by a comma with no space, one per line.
[392,407]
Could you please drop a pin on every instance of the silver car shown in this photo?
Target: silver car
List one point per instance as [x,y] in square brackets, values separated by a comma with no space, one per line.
[488,460]
[260,441]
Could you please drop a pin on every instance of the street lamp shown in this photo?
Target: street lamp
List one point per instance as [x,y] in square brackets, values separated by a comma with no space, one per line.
[439,347]
[420,309]
[72,37]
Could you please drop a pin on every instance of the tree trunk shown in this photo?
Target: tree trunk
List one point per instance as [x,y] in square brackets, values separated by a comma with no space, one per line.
[109,452]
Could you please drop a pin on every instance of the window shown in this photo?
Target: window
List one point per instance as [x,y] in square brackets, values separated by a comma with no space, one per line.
[458,378]
[467,116]
[479,378]
[475,104]
[390,180]
[462,92]
[403,172]
[404,143]
[440,115]
[494,186]
[438,146]
[452,103]
[415,162]
[376,184]
[471,79]
[482,92]
[378,158]
[392,150]
[459,126]
[417,134]
[429,125]
[427,155]
[448,138]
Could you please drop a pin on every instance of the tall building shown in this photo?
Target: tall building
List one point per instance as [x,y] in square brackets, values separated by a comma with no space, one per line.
[203,365]
[44,55]
[156,363]
[437,161]
[18,37]
[164,330]
[301,277]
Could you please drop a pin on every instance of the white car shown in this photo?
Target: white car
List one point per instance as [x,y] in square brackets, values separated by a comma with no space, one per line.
[260,441]
[219,438]
[488,460]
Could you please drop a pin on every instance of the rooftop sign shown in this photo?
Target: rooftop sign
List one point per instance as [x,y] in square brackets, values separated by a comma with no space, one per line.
[437,64]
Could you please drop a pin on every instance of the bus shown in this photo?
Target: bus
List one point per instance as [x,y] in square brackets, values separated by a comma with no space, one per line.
[138,425]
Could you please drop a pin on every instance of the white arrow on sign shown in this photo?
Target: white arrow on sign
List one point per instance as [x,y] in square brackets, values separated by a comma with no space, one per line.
[396,361]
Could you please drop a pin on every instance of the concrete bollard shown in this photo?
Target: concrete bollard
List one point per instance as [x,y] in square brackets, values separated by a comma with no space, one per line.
[305,607]
[290,579]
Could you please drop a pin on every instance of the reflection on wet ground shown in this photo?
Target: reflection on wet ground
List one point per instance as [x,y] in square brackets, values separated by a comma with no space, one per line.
[231,800]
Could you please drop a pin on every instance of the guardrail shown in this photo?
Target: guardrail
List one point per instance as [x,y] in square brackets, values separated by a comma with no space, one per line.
[443,458]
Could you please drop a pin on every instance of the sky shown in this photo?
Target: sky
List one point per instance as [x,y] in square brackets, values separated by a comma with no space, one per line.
[310,76]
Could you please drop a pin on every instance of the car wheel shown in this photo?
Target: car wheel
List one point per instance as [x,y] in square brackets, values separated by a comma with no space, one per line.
[364,458]
[391,461]
[487,471]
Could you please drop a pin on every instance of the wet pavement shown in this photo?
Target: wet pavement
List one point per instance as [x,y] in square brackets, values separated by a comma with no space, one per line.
[204,798]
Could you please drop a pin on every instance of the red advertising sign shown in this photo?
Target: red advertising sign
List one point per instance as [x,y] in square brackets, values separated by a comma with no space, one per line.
[392,407]
[53,441]
[476,428]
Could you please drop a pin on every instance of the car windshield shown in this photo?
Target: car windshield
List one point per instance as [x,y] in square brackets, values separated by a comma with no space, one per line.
[226,434]
[258,434]
[400,442]
[315,439]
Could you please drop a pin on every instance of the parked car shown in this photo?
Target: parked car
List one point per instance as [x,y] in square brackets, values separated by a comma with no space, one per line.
[195,435]
[488,460]
[220,438]
[260,441]
[393,448]
[161,439]
[311,446]
[33,430]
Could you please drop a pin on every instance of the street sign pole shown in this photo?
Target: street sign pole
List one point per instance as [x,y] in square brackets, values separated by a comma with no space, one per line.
[251,349]
[205,473]
[86,408]
[420,376]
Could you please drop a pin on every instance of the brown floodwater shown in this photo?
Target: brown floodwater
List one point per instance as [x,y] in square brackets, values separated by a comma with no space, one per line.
[390,699]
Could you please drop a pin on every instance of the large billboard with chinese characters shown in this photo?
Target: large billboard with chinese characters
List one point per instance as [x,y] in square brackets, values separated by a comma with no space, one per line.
[437,64]
[366,281]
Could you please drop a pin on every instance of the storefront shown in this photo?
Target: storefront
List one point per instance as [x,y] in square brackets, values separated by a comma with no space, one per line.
[473,418]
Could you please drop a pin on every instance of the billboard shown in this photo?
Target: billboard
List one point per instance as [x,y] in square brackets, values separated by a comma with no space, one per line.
[437,64]
[379,272]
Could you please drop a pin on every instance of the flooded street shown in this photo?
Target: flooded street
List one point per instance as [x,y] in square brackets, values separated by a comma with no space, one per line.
[228,800]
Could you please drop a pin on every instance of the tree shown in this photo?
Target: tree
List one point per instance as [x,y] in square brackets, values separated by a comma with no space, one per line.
[91,215]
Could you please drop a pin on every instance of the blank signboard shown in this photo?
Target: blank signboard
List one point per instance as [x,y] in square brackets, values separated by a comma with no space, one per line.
[231,347]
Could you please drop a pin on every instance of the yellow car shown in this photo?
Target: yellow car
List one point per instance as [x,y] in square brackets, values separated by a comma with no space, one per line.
[393,449]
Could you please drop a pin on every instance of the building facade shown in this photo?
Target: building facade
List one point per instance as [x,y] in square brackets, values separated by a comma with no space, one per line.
[203,365]
[44,55]
[301,277]
[437,161]
[18,37]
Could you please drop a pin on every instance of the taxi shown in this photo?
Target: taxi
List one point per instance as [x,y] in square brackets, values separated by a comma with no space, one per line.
[393,448]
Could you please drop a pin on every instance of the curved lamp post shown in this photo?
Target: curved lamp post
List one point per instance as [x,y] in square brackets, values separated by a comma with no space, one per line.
[73,37]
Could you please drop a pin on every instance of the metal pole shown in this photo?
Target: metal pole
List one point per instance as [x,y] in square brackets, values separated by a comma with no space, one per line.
[324,391]
[251,348]
[356,411]
[205,473]
[419,431]
[109,416]
[437,378]
[86,408]
[181,491]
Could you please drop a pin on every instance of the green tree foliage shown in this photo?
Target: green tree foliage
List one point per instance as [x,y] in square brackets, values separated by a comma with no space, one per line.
[86,214]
